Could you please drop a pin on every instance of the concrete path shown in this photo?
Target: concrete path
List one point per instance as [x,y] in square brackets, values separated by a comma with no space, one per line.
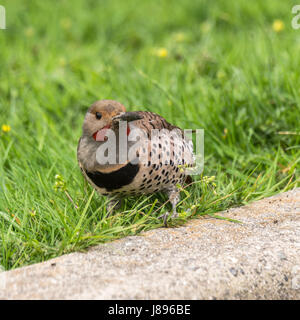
[205,259]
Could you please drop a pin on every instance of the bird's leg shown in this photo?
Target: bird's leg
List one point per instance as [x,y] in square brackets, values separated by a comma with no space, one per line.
[113,204]
[174,198]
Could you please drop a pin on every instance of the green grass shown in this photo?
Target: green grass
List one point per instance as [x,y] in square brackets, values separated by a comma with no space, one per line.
[226,71]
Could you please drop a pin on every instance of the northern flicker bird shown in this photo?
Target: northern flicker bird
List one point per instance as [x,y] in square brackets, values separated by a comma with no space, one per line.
[155,161]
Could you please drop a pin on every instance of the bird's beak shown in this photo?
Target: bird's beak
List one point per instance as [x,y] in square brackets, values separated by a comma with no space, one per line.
[128,116]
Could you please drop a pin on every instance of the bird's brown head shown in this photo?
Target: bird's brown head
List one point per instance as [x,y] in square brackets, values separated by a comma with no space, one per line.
[101,115]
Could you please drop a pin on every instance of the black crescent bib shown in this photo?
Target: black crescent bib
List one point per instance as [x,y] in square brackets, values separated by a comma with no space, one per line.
[116,179]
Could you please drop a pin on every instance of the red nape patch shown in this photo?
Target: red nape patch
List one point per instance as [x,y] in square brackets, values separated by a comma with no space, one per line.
[128,130]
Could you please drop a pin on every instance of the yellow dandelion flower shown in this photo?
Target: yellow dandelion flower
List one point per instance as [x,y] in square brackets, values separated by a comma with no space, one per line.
[161,52]
[5,128]
[29,32]
[278,25]
[66,23]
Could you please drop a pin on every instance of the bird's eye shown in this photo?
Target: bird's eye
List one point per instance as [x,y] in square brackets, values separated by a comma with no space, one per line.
[98,115]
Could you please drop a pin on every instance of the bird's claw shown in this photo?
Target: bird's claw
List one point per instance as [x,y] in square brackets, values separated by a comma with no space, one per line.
[166,215]
[165,218]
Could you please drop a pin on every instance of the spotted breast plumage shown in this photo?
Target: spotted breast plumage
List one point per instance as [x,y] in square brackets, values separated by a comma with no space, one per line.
[157,154]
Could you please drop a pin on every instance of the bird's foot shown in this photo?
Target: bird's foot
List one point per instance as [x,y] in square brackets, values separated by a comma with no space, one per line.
[165,218]
[166,215]
[174,199]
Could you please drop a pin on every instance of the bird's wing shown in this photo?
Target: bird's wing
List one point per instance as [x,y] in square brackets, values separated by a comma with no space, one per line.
[152,121]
